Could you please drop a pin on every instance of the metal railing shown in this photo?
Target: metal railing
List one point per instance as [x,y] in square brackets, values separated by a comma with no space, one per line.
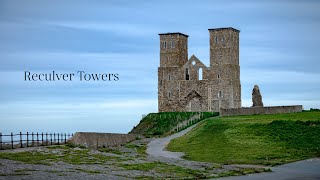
[32,139]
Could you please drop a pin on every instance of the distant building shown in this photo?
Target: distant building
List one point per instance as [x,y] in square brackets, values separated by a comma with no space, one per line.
[188,85]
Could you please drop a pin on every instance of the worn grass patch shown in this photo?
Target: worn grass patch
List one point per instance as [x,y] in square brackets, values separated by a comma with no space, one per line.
[171,171]
[256,139]
[140,149]
[66,154]
[29,157]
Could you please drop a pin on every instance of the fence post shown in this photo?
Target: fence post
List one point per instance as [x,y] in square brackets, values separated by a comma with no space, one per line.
[37,139]
[42,139]
[54,138]
[32,139]
[0,141]
[21,140]
[51,138]
[46,138]
[65,138]
[12,140]
[58,138]
[27,139]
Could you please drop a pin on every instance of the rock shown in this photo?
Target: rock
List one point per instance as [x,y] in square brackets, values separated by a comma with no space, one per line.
[256,97]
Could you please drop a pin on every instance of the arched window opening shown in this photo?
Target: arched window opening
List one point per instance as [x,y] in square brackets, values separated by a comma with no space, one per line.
[200,74]
[169,94]
[169,77]
[187,74]
[220,94]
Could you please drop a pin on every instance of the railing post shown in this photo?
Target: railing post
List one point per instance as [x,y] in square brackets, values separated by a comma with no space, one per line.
[58,138]
[21,140]
[46,138]
[54,138]
[37,139]
[0,141]
[65,138]
[32,139]
[51,138]
[27,139]
[42,139]
[12,140]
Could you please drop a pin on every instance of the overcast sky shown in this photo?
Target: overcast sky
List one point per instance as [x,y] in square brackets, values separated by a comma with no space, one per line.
[279,51]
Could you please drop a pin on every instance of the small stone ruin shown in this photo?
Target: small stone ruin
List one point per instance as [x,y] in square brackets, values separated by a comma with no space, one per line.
[256,97]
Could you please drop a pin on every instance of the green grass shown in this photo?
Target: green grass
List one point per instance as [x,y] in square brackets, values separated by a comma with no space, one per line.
[67,154]
[161,124]
[242,172]
[256,139]
[110,150]
[172,171]
[140,149]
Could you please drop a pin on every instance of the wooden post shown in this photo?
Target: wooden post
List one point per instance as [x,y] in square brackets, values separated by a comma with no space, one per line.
[21,140]
[12,140]
[46,138]
[27,139]
[32,139]
[37,139]
[0,141]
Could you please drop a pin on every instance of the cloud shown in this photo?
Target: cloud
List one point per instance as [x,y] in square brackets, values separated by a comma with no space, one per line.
[115,28]
[259,76]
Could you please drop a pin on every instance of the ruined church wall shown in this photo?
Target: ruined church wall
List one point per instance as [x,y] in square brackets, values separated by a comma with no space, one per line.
[260,110]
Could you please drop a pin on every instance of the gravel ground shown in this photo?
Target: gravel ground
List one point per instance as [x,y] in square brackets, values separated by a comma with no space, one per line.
[144,158]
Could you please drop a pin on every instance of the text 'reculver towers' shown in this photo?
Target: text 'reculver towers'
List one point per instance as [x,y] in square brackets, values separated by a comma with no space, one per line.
[188,85]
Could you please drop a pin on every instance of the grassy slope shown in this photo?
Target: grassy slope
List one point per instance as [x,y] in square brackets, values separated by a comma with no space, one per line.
[257,139]
[163,123]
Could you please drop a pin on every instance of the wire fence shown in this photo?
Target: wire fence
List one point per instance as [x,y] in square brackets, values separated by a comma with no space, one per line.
[12,141]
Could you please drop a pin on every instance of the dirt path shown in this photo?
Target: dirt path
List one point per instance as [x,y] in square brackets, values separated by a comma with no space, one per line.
[156,147]
[301,170]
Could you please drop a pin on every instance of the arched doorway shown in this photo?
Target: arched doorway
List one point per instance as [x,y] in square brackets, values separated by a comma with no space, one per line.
[193,102]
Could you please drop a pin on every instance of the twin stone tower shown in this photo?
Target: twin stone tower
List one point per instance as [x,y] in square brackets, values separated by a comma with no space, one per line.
[188,85]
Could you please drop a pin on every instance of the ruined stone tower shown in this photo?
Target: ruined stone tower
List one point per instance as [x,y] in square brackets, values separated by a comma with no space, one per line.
[188,85]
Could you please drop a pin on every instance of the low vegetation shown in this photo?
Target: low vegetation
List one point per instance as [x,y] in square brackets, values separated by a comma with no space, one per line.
[59,153]
[162,124]
[256,139]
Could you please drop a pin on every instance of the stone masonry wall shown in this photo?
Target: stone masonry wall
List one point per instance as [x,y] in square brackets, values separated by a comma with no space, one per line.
[94,140]
[260,110]
[180,84]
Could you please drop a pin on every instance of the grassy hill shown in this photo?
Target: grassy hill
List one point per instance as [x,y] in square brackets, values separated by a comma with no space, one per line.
[256,139]
[161,124]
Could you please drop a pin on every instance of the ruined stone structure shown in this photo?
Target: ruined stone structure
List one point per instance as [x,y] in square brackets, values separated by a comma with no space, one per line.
[261,110]
[96,140]
[188,85]
[256,97]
